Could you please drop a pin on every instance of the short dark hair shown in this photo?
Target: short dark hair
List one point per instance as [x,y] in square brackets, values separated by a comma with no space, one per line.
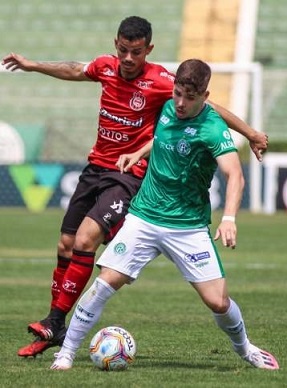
[193,73]
[135,27]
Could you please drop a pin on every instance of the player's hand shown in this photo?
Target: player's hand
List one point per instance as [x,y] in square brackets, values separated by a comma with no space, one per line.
[227,231]
[126,161]
[259,144]
[14,62]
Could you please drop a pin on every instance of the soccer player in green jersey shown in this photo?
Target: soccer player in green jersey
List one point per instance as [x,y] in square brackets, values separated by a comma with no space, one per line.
[171,215]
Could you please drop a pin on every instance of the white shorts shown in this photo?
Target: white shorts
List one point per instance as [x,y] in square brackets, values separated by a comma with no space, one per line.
[139,242]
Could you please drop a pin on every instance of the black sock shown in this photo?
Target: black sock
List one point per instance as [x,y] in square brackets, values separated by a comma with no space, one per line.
[58,315]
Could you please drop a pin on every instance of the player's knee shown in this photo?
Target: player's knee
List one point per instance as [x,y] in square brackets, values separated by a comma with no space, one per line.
[89,236]
[65,245]
[85,242]
[114,278]
[219,305]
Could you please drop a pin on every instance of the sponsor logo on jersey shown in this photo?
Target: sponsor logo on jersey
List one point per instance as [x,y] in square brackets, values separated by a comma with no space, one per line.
[167,75]
[225,145]
[190,131]
[138,101]
[183,147]
[169,147]
[122,120]
[116,136]
[143,84]
[120,248]
[108,72]
[164,120]
[227,135]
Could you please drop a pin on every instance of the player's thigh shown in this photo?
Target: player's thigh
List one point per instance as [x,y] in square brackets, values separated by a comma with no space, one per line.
[82,200]
[194,253]
[112,204]
[134,246]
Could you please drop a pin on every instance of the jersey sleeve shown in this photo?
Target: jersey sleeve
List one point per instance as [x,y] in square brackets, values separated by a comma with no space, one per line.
[217,136]
[96,66]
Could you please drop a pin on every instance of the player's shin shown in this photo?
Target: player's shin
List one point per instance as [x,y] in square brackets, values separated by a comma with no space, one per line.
[233,325]
[87,314]
[58,276]
[75,279]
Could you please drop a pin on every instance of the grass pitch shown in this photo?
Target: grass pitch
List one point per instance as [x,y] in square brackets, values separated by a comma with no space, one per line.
[178,342]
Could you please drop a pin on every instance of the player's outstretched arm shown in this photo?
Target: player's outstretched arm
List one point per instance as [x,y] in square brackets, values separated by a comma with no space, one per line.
[258,141]
[72,71]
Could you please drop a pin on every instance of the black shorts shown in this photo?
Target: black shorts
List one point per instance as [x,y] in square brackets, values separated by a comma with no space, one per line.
[103,195]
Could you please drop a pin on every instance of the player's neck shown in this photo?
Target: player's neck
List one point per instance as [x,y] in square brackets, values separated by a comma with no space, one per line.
[130,76]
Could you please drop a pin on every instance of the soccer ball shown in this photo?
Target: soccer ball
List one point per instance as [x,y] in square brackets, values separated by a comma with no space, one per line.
[112,348]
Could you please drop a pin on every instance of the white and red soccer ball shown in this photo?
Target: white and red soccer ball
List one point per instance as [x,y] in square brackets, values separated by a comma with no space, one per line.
[112,348]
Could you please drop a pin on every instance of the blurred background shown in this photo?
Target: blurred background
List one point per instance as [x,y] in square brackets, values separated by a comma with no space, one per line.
[45,120]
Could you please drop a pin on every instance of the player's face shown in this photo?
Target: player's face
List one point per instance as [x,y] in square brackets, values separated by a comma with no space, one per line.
[187,103]
[132,56]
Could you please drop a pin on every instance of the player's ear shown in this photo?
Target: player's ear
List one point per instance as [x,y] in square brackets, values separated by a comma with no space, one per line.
[206,94]
[149,49]
[116,43]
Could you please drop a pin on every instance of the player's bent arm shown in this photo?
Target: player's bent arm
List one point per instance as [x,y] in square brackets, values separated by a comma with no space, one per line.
[72,71]
[230,166]
[235,123]
[126,161]
[144,152]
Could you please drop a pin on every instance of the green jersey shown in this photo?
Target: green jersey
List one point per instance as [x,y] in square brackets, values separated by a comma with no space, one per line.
[175,190]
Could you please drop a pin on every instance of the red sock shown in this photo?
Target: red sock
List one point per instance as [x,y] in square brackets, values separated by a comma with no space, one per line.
[75,279]
[58,275]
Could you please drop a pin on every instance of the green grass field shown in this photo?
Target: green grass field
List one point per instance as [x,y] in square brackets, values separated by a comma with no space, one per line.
[178,342]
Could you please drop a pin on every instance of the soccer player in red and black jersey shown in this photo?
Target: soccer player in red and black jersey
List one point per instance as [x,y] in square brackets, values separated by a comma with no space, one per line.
[133,93]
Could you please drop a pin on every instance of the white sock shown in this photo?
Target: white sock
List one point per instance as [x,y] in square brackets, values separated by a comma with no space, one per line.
[86,314]
[232,324]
